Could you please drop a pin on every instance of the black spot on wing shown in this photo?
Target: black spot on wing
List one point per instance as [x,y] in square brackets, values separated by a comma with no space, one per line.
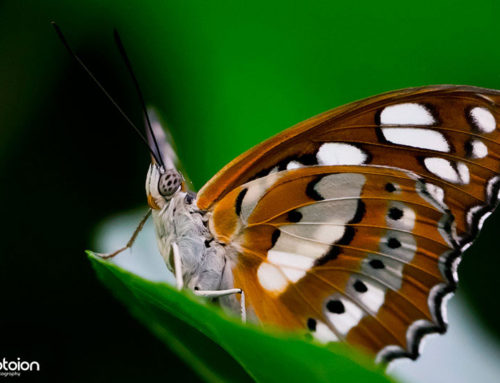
[447,224]
[360,287]
[311,191]
[376,264]
[395,213]
[308,159]
[335,306]
[469,148]
[434,113]
[335,250]
[390,187]
[394,243]
[239,201]
[360,212]
[331,255]
[294,216]
[311,324]
[378,130]
[346,239]
[260,174]
[276,234]
[471,121]
[348,236]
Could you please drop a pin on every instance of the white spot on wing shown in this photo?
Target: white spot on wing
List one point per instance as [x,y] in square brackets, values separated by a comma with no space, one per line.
[294,244]
[256,190]
[334,153]
[436,192]
[390,275]
[300,244]
[405,252]
[483,119]
[447,229]
[444,170]
[479,149]
[291,257]
[463,172]
[273,170]
[271,278]
[347,185]
[348,319]
[373,298]
[323,233]
[294,266]
[337,212]
[294,165]
[482,219]
[406,114]
[406,221]
[324,334]
[417,138]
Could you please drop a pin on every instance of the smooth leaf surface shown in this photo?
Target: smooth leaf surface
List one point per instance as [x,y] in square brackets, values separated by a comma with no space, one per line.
[221,348]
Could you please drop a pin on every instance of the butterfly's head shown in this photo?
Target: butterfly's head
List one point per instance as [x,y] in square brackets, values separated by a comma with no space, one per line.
[162,185]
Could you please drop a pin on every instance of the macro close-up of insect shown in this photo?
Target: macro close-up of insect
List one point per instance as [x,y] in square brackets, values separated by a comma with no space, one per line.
[350,225]
[324,251]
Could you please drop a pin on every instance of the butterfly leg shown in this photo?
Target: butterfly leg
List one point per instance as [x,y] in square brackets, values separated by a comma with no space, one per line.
[177,266]
[222,293]
[205,293]
[130,241]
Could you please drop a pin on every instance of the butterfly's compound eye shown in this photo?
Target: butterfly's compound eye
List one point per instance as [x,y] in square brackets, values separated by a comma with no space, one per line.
[169,183]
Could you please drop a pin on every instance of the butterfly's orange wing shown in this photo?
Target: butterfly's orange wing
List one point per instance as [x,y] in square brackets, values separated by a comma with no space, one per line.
[351,224]
[352,253]
[458,150]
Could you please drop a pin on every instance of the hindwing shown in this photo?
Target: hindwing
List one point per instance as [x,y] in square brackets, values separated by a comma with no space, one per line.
[360,254]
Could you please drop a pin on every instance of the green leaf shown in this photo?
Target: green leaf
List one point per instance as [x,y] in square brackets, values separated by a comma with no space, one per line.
[221,348]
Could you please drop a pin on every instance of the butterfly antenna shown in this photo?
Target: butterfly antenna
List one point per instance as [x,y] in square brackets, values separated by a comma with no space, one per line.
[80,62]
[128,64]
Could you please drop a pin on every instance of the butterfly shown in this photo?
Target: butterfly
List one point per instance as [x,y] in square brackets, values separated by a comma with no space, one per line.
[348,227]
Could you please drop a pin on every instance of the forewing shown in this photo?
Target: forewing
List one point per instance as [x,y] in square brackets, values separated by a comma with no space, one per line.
[163,146]
[360,254]
[446,135]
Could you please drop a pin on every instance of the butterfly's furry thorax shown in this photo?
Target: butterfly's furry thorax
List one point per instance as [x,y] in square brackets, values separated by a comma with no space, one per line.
[178,220]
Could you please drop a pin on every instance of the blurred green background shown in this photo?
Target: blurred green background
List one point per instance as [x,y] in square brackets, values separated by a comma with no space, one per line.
[225,75]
